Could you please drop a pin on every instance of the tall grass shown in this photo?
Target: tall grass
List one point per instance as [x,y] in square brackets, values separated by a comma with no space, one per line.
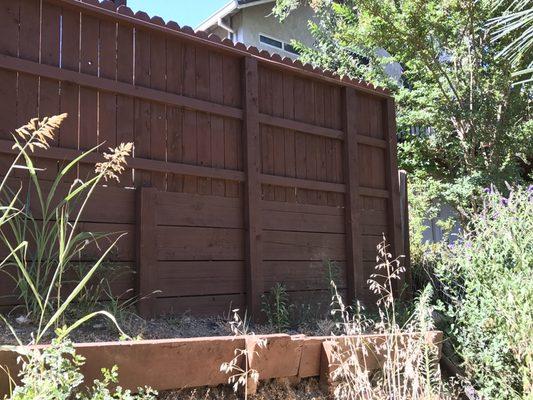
[43,244]
[402,364]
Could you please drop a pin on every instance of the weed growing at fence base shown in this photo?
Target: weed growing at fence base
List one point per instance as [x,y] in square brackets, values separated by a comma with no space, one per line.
[408,366]
[241,373]
[276,307]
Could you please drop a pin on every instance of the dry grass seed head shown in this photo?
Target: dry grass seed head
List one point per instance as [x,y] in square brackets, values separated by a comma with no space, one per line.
[115,161]
[37,133]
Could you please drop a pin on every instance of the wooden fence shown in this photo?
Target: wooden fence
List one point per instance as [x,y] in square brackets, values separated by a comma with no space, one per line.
[248,169]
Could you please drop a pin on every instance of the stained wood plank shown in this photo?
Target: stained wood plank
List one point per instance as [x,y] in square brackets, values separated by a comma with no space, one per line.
[304,218]
[174,84]
[9,29]
[252,218]
[303,275]
[107,102]
[148,279]
[201,305]
[125,108]
[158,112]
[49,95]
[199,278]
[195,243]
[393,205]
[280,245]
[142,109]
[88,97]
[70,45]
[185,209]
[354,267]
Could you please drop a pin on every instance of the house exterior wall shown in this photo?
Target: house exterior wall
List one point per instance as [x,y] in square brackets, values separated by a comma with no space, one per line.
[250,22]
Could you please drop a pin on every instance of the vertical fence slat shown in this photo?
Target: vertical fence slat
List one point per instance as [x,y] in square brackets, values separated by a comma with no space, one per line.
[354,257]
[252,197]
[9,15]
[147,278]
[174,84]
[404,215]
[88,97]
[107,102]
[125,108]
[158,112]
[70,53]
[142,129]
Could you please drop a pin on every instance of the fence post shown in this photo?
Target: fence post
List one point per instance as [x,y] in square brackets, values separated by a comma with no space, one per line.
[252,192]
[404,215]
[393,205]
[354,260]
[147,276]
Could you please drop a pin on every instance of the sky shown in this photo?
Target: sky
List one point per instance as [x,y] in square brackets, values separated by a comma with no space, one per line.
[184,12]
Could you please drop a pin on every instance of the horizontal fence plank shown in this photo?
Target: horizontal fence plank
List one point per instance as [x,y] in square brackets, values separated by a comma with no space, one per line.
[371,141]
[302,183]
[186,209]
[299,217]
[194,243]
[300,126]
[63,154]
[303,275]
[188,278]
[119,203]
[201,305]
[279,245]
[112,86]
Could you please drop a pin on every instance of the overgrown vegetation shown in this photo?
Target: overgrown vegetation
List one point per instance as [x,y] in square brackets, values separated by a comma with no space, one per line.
[241,375]
[463,125]
[276,307]
[484,280]
[408,366]
[41,253]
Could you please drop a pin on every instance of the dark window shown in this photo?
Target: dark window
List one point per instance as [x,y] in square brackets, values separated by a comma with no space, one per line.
[270,41]
[290,48]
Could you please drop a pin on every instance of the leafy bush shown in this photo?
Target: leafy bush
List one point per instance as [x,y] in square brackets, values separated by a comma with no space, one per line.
[486,281]
[54,374]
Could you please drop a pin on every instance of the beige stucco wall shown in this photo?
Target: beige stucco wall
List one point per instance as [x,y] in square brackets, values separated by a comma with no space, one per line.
[252,21]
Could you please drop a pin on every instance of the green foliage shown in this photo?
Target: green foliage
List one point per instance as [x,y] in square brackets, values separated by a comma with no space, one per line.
[53,373]
[473,127]
[37,274]
[516,23]
[486,281]
[276,307]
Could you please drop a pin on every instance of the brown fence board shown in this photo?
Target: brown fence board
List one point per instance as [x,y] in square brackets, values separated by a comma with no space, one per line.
[247,170]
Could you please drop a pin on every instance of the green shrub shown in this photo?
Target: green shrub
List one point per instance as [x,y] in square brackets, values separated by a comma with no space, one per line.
[486,280]
[54,374]
[276,307]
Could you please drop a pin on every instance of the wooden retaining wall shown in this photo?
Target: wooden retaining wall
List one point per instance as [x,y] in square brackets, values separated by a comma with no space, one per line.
[248,169]
[170,364]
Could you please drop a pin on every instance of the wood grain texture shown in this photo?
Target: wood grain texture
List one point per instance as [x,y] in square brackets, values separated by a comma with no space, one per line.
[252,217]
[245,172]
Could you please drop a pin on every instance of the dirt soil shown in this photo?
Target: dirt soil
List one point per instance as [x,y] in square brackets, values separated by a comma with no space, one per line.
[168,327]
[307,389]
